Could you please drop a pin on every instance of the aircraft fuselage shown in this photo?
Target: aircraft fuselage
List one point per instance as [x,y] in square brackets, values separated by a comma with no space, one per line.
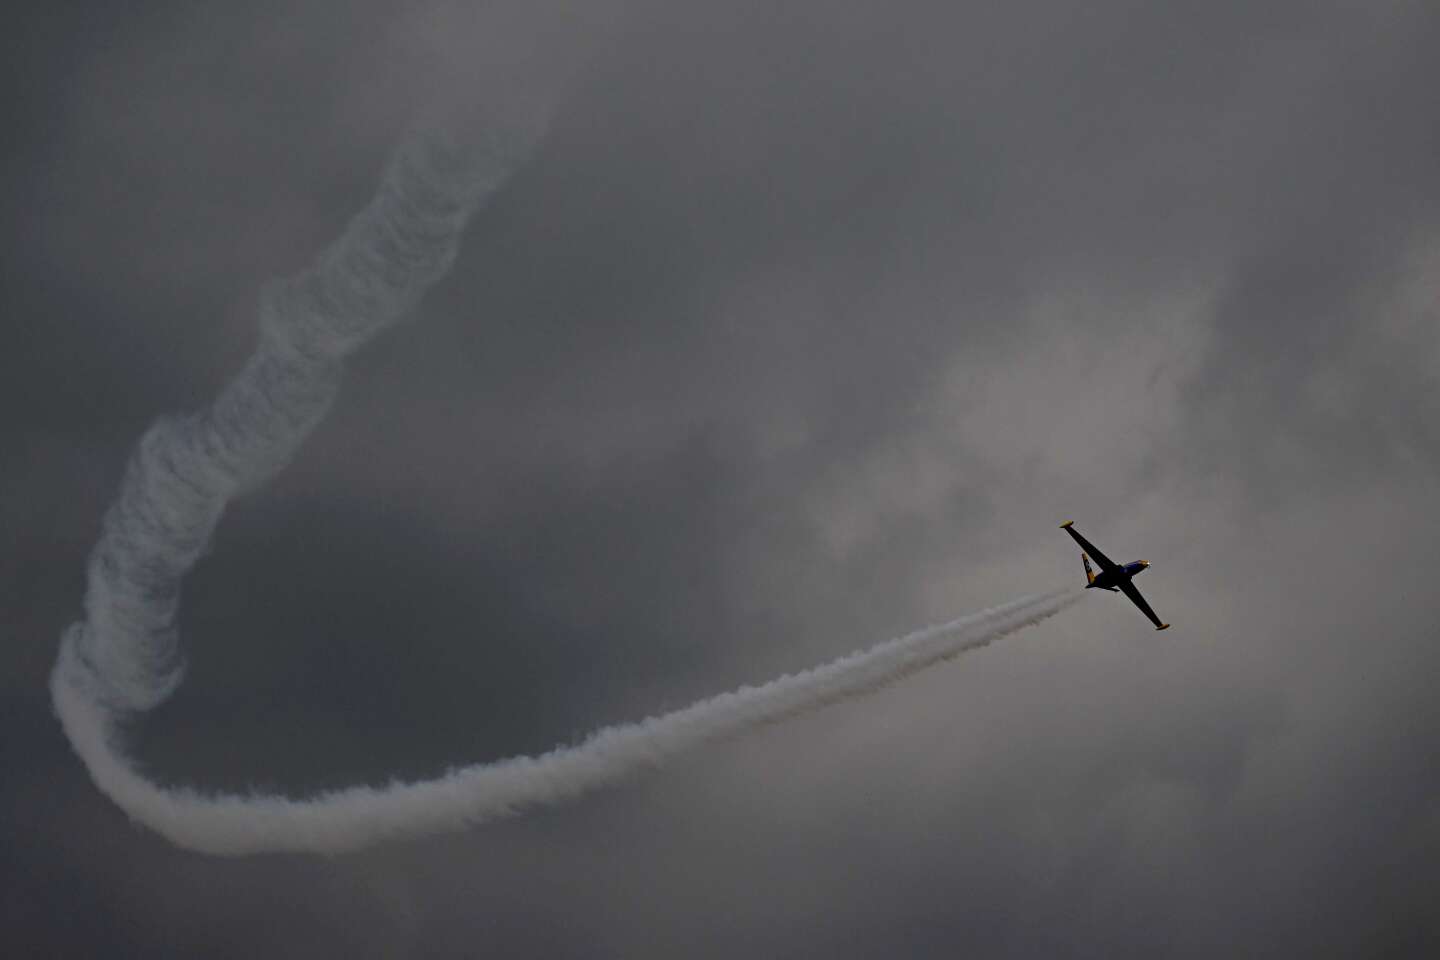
[1111,579]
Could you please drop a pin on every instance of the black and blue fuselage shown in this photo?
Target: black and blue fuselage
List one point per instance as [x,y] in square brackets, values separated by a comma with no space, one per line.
[1112,578]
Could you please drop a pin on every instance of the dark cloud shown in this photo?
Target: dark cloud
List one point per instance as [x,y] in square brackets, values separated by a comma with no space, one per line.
[804,327]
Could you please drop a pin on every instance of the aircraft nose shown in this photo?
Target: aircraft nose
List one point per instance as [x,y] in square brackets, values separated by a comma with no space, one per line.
[1144,563]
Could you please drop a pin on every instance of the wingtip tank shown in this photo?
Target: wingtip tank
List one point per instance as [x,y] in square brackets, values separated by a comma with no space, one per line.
[1067,524]
[1163,626]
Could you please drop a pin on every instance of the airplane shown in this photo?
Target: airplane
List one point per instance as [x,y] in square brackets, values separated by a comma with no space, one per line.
[1113,576]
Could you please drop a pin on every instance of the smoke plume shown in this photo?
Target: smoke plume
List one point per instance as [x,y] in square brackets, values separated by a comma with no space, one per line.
[124,657]
[361,816]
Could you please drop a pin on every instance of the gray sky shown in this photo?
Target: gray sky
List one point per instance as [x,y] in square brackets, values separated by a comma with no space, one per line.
[805,327]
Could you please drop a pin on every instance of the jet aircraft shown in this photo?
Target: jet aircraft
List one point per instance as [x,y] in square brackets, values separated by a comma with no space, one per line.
[1113,576]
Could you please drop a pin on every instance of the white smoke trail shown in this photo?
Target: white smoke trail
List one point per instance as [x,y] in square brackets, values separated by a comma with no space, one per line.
[185,469]
[124,657]
[361,816]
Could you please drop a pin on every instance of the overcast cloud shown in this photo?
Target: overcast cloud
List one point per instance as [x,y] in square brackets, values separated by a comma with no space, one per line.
[804,327]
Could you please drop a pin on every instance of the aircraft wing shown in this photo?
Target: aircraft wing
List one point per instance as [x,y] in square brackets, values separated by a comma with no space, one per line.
[1105,562]
[1129,587]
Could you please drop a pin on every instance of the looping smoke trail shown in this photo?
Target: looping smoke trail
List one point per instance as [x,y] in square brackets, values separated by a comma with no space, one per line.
[358,817]
[185,469]
[125,657]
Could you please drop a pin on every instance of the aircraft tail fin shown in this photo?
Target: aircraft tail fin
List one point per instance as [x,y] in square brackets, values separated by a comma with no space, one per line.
[1089,573]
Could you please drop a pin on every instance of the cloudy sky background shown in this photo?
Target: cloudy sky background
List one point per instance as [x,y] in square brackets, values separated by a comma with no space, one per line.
[804,328]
